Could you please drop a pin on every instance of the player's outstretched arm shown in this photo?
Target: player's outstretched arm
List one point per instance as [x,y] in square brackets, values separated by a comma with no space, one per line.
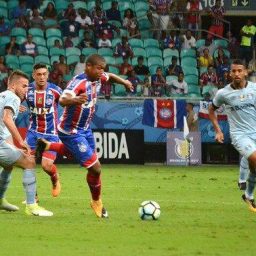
[68,99]
[117,79]
[219,137]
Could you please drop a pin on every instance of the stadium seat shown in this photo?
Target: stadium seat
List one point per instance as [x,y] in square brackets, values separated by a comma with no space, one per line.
[12,4]
[18,32]
[79,4]
[105,52]
[220,42]
[187,53]
[119,60]
[42,50]
[151,43]
[27,68]
[61,4]
[50,41]
[134,42]
[191,62]
[110,60]
[72,51]
[194,89]
[169,79]
[191,79]
[72,59]
[4,40]
[75,41]
[88,51]
[90,5]
[170,52]
[114,70]
[67,77]
[188,70]
[200,42]
[53,32]
[141,6]
[115,23]
[4,12]
[38,40]
[20,39]
[36,32]
[25,59]
[168,61]
[123,5]
[152,69]
[209,89]
[3,5]
[146,34]
[56,51]
[152,51]
[202,70]
[3,76]
[119,90]
[54,58]
[155,61]
[42,59]
[106,5]
[49,23]
[139,52]
[11,59]
[115,41]
[144,24]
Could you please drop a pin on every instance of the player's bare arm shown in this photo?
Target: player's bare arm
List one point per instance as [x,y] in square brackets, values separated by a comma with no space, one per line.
[68,99]
[119,80]
[219,137]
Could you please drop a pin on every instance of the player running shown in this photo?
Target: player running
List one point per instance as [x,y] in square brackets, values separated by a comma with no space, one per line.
[239,98]
[42,99]
[78,100]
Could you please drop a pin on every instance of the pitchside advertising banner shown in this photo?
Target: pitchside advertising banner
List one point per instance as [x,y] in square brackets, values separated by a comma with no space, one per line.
[183,152]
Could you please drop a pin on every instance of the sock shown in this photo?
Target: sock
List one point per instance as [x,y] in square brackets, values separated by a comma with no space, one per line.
[60,149]
[94,183]
[53,173]
[250,185]
[29,184]
[243,170]
[5,177]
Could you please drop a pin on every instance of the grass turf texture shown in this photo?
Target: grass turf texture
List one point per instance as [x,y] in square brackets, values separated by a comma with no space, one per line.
[201,214]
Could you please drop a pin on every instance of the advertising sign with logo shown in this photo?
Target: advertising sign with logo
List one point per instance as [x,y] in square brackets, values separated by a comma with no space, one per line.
[183,152]
[120,146]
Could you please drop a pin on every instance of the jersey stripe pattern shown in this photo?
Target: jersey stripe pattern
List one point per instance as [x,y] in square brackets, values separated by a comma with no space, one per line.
[43,106]
[77,118]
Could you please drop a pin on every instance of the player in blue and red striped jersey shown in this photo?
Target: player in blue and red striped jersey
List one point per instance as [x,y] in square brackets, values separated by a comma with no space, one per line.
[78,100]
[42,99]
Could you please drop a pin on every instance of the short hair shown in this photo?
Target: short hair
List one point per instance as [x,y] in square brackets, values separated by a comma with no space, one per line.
[140,57]
[15,75]
[95,59]
[39,65]
[238,62]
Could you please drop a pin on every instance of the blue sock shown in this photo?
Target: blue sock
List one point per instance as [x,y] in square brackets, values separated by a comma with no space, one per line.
[5,177]
[243,170]
[250,185]
[29,184]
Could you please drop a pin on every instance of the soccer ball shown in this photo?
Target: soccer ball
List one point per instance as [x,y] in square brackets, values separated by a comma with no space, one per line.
[149,210]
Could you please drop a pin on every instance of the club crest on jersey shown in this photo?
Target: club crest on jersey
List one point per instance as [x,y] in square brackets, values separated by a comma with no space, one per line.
[49,101]
[40,100]
[82,147]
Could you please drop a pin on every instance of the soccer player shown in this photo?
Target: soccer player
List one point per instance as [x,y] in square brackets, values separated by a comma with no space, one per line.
[78,100]
[10,155]
[243,173]
[42,99]
[239,98]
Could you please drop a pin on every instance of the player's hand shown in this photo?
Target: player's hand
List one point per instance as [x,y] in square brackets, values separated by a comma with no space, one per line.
[82,98]
[22,109]
[25,148]
[219,137]
[129,85]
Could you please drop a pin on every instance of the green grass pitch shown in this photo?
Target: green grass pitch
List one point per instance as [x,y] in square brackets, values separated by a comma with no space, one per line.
[201,214]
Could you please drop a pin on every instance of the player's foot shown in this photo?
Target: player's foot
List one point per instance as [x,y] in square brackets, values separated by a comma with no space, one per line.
[98,208]
[41,146]
[36,210]
[56,188]
[242,185]
[5,205]
[250,203]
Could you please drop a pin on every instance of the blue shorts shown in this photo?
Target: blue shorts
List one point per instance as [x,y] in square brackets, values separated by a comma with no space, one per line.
[33,136]
[245,144]
[81,146]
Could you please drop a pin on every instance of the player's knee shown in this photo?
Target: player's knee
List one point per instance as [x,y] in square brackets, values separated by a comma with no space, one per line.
[46,165]
[95,169]
[30,163]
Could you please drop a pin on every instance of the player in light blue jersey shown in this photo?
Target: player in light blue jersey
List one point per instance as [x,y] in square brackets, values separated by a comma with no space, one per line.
[239,98]
[10,155]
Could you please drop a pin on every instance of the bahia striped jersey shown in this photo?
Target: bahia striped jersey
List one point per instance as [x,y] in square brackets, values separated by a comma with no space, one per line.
[43,107]
[77,117]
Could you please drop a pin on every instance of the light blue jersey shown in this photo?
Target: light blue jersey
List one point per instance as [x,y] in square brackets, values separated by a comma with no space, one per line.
[10,100]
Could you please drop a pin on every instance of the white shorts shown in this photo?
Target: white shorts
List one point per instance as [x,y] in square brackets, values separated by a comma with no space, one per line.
[245,144]
[9,154]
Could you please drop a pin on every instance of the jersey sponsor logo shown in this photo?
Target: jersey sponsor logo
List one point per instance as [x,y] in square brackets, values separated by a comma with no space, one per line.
[41,111]
[245,106]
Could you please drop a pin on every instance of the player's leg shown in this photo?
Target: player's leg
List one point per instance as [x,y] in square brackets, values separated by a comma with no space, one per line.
[243,173]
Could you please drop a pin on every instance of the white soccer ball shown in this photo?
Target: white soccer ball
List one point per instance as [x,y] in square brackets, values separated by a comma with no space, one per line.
[149,210]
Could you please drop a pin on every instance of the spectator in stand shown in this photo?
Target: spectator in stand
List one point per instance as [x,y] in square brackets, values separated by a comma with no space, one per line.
[123,49]
[84,19]
[20,10]
[158,83]
[225,79]
[36,21]
[146,87]
[194,7]
[106,86]
[172,41]
[57,44]
[3,67]
[29,47]
[104,42]
[68,42]
[12,48]
[61,66]
[69,12]
[80,66]
[87,41]
[125,68]
[33,3]
[132,77]
[233,45]
[192,118]
[61,82]
[209,77]
[4,82]
[50,12]
[177,87]
[188,40]
[4,27]
[217,27]
[174,69]
[222,68]
[208,45]
[219,58]
[97,16]
[246,47]
[97,11]
[160,15]
[54,73]
[113,13]
[22,22]
[140,68]
[206,59]
[70,27]
[106,28]
[130,23]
